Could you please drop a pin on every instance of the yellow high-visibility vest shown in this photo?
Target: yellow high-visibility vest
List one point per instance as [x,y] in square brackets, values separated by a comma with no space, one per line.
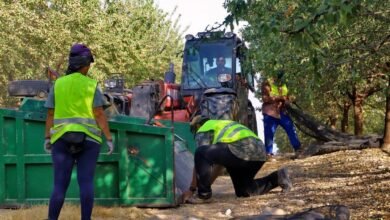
[226,131]
[275,89]
[73,98]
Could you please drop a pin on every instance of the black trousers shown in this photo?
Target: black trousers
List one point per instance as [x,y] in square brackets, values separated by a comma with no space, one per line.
[241,172]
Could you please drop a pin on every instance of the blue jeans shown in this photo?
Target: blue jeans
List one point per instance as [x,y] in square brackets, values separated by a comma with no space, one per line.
[63,162]
[270,126]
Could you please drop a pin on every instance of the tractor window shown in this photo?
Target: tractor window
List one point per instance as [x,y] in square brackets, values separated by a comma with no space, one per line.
[247,72]
[204,61]
[238,65]
[213,64]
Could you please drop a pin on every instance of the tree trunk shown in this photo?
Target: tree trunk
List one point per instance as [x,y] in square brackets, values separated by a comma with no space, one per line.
[344,121]
[332,119]
[358,115]
[386,136]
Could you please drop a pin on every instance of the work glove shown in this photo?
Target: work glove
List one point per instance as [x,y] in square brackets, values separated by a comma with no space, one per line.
[110,147]
[47,145]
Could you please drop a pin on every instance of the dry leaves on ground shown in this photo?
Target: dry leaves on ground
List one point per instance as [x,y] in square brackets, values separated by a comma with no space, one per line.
[358,179]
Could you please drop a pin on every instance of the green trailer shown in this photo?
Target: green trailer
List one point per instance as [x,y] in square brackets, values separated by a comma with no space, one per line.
[150,167]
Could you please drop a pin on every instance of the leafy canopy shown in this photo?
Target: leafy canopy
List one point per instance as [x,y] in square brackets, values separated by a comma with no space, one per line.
[132,38]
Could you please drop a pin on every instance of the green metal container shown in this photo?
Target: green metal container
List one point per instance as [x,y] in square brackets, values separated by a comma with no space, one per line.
[142,171]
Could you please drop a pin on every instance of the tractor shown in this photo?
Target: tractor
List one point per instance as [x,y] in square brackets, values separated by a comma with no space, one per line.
[222,95]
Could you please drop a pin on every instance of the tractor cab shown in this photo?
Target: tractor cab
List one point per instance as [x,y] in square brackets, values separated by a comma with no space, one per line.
[216,77]
[213,60]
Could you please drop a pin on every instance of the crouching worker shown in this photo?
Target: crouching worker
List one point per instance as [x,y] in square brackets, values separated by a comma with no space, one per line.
[240,151]
[75,121]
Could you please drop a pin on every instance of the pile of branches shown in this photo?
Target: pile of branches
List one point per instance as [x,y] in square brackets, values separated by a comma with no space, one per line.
[330,140]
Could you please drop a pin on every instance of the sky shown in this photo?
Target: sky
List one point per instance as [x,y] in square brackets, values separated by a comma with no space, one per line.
[197,14]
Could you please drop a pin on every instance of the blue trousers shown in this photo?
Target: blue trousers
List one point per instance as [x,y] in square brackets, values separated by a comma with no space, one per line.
[63,162]
[270,126]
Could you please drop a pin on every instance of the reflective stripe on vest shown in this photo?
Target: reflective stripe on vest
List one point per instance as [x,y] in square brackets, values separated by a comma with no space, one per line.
[235,131]
[223,131]
[85,121]
[226,131]
[73,111]
[93,130]
[275,89]
[75,121]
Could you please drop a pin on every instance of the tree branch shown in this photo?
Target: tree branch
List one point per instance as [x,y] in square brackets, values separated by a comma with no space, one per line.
[312,21]
[378,15]
[382,42]
[371,90]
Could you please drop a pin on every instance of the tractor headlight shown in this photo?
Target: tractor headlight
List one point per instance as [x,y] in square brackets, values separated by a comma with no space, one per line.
[224,77]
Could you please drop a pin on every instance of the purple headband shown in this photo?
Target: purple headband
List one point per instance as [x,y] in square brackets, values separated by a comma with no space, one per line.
[79,57]
[81,50]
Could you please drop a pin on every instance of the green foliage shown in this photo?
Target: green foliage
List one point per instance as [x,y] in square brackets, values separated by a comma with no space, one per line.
[330,49]
[131,37]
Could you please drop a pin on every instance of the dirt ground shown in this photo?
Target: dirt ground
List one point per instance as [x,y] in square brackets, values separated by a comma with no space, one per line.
[358,179]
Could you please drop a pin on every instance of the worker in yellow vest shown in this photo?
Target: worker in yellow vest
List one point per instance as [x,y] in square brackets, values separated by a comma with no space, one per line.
[240,151]
[75,121]
[275,97]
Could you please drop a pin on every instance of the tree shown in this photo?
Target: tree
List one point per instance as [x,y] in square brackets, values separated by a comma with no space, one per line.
[334,51]
[121,34]
[386,138]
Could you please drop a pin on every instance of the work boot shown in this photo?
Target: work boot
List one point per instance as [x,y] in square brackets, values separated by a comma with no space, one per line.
[284,180]
[197,200]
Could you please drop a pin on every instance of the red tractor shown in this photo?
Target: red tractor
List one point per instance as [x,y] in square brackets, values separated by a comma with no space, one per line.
[215,82]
